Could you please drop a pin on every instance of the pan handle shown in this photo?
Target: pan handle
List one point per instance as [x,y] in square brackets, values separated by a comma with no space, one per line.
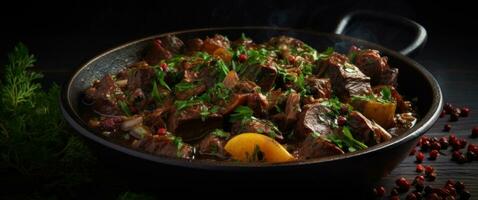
[412,49]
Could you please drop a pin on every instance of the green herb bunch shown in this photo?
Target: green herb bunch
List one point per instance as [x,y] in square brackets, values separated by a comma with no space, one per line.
[34,140]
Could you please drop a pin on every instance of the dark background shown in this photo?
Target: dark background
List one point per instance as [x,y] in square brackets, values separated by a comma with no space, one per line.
[63,35]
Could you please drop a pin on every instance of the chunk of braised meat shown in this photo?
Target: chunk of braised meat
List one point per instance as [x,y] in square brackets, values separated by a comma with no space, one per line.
[140,75]
[375,66]
[213,146]
[314,118]
[258,103]
[105,96]
[235,101]
[262,74]
[188,93]
[231,80]
[284,44]
[284,40]
[256,125]
[292,109]
[173,43]
[163,48]
[246,87]
[190,125]
[157,118]
[347,80]
[211,44]
[247,42]
[403,122]
[164,146]
[367,131]
[110,124]
[319,87]
[317,147]
[193,46]
[276,100]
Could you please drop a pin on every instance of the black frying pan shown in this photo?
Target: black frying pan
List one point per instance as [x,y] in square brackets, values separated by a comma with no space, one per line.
[415,82]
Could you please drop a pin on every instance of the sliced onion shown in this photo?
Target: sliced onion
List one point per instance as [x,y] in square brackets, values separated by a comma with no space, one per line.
[122,83]
[140,132]
[130,123]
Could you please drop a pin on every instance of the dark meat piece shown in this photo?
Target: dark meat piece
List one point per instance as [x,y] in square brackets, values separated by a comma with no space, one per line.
[246,87]
[374,66]
[367,131]
[172,43]
[163,48]
[164,146]
[212,44]
[316,147]
[388,77]
[255,125]
[370,62]
[292,109]
[188,93]
[105,95]
[262,74]
[258,103]
[140,76]
[319,87]
[276,99]
[314,118]
[193,45]
[247,42]
[231,80]
[285,40]
[157,52]
[190,125]
[234,102]
[156,119]
[347,80]
[213,145]
[403,123]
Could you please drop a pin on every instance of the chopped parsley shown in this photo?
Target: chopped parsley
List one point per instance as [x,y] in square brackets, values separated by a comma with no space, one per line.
[160,75]
[183,86]
[221,134]
[124,107]
[155,93]
[385,96]
[351,142]
[326,54]
[242,113]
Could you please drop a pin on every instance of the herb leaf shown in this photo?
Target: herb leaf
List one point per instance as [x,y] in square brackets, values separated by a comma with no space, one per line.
[241,113]
[220,133]
[351,141]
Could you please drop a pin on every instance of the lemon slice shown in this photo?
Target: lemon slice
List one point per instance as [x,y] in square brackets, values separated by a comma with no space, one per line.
[250,147]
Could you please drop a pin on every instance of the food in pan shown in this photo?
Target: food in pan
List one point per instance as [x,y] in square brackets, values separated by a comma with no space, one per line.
[276,101]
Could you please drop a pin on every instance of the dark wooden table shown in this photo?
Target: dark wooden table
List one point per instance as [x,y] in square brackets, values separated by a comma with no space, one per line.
[451,61]
[455,69]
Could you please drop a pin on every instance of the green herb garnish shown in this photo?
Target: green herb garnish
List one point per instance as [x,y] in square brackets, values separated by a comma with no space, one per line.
[351,142]
[35,144]
[155,93]
[220,133]
[124,107]
[160,75]
[241,113]
[326,54]
[183,86]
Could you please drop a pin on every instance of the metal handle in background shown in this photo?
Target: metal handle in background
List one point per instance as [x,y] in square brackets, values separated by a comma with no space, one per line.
[420,36]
